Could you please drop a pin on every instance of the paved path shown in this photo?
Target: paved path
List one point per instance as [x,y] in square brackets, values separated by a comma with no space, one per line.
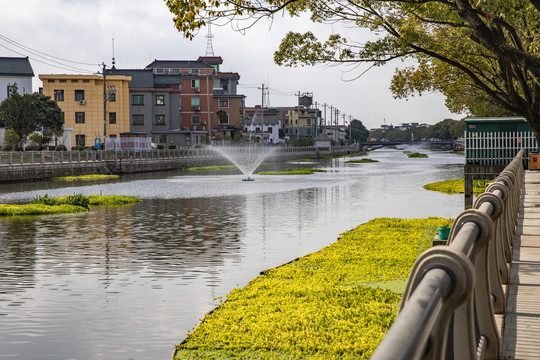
[521,334]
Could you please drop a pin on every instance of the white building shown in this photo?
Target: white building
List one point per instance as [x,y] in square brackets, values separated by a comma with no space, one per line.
[15,71]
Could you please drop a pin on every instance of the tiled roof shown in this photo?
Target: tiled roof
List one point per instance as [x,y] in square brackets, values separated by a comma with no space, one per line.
[177,64]
[139,78]
[15,66]
[211,59]
[228,75]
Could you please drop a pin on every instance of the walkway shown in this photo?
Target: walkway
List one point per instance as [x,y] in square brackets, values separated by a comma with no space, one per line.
[521,335]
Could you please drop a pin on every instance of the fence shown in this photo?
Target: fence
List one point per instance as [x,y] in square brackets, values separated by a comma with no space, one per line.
[497,148]
[453,293]
[131,144]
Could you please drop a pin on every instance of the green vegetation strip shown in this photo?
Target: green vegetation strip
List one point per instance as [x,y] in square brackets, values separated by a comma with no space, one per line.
[45,205]
[302,160]
[297,171]
[457,186]
[362,161]
[211,168]
[321,306]
[85,177]
[417,155]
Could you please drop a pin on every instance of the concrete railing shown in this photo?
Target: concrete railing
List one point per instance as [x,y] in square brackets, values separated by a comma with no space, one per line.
[453,293]
[62,157]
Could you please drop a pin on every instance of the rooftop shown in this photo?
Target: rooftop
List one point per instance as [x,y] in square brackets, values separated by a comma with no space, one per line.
[15,66]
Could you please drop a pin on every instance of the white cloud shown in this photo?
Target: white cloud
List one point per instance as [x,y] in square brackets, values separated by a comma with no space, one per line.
[143,30]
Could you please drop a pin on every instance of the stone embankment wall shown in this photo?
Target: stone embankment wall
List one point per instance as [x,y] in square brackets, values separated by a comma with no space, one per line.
[18,166]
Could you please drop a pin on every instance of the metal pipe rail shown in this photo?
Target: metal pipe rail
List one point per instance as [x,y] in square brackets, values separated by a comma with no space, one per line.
[453,293]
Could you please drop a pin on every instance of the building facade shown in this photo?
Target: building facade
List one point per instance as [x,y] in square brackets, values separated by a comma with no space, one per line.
[81,98]
[15,71]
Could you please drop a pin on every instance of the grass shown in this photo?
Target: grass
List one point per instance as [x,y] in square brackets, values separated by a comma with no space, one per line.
[417,155]
[337,303]
[457,186]
[302,160]
[362,161]
[45,205]
[85,177]
[211,168]
[289,171]
[38,209]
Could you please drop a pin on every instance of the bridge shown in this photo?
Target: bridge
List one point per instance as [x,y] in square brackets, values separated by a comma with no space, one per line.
[448,145]
[477,296]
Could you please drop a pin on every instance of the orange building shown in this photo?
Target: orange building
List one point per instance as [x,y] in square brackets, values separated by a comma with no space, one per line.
[81,98]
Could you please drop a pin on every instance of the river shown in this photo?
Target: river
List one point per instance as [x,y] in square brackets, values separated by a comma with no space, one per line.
[129,282]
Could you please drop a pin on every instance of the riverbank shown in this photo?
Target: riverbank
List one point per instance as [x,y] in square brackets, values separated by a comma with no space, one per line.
[335,303]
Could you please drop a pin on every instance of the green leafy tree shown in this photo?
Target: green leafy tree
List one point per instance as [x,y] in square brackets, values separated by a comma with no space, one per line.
[11,140]
[469,50]
[359,131]
[18,112]
[35,141]
[50,118]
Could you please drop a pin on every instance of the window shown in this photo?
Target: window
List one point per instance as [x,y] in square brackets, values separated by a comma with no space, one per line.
[162,139]
[160,119]
[176,71]
[58,95]
[50,80]
[194,71]
[79,95]
[195,83]
[195,119]
[223,102]
[160,99]
[111,96]
[195,101]
[11,89]
[269,130]
[138,119]
[112,118]
[223,118]
[80,140]
[308,121]
[87,81]
[225,84]
[160,71]
[79,117]
[62,80]
[138,99]
[74,81]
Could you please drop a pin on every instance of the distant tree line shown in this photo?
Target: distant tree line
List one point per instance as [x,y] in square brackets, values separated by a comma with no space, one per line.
[447,129]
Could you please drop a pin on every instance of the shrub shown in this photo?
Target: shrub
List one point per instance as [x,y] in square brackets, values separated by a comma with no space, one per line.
[11,140]
[45,200]
[78,148]
[160,147]
[172,146]
[78,200]
[61,147]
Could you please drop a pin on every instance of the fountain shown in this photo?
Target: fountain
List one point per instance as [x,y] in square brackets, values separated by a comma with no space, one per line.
[245,158]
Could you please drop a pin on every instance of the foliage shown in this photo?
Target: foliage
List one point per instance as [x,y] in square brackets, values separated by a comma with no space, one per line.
[302,160]
[446,129]
[457,186]
[11,140]
[359,131]
[35,141]
[305,141]
[85,177]
[172,146]
[211,168]
[38,209]
[112,200]
[77,148]
[290,171]
[322,306]
[18,112]
[61,147]
[417,155]
[469,50]
[45,200]
[362,161]
[160,147]
[78,200]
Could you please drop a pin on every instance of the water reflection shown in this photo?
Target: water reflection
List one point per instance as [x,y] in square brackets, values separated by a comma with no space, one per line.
[128,282]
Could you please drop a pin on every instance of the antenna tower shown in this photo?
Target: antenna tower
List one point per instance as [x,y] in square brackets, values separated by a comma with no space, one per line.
[209,36]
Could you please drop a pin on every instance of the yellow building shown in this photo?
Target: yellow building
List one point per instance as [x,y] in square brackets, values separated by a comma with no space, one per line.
[81,98]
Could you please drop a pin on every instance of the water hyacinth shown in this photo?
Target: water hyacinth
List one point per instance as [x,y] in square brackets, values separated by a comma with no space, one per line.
[321,306]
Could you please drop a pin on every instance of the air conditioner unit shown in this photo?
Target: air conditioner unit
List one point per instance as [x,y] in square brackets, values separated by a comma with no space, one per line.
[197,108]
[186,127]
[197,90]
[204,122]
[82,102]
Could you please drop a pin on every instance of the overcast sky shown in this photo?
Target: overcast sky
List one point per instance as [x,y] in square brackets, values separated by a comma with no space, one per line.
[82,31]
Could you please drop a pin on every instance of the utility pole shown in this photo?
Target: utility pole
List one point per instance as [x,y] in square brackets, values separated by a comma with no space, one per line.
[104,105]
[262,112]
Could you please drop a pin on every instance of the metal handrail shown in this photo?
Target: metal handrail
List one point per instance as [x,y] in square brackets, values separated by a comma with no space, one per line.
[453,293]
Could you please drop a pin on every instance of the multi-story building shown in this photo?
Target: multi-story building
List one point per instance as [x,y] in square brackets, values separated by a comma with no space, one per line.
[263,123]
[81,98]
[183,102]
[15,71]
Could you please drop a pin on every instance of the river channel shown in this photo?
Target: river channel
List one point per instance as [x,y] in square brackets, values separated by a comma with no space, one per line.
[129,282]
